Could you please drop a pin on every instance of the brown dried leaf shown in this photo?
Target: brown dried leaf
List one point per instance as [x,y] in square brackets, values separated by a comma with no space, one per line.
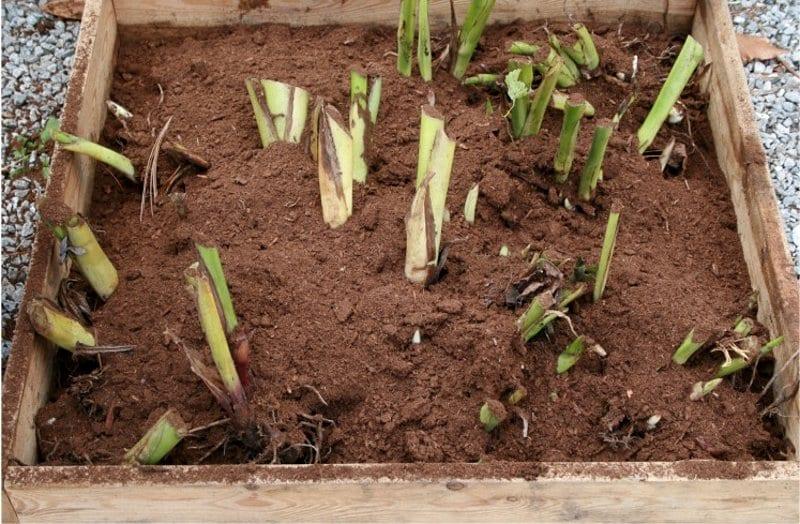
[752,47]
[69,9]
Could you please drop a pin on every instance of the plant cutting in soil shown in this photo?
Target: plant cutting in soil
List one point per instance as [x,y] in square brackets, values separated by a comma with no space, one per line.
[374,321]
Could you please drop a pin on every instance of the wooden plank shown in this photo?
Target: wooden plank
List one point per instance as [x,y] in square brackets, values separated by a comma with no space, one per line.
[637,492]
[9,515]
[742,159]
[315,12]
[26,385]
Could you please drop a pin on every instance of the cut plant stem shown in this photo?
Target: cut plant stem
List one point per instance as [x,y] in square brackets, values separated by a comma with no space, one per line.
[517,396]
[288,107]
[538,315]
[570,355]
[374,98]
[569,64]
[335,164]
[58,327]
[570,126]
[470,204]
[541,97]
[424,42]
[431,122]
[211,320]
[701,389]
[523,48]
[405,36]
[360,123]
[593,169]
[559,101]
[80,145]
[689,58]
[159,440]
[425,220]
[687,348]
[258,100]
[483,79]
[211,264]
[518,86]
[470,33]
[492,414]
[90,258]
[584,51]
[609,241]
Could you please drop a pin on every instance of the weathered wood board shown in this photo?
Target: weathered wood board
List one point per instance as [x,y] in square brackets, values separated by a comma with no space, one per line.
[643,492]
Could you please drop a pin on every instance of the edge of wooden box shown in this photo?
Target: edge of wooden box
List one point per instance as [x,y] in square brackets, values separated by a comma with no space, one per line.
[30,365]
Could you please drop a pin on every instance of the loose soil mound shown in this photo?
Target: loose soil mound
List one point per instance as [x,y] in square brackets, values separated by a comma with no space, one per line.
[331,310]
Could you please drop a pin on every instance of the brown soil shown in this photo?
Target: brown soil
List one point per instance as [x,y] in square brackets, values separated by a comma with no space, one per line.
[331,309]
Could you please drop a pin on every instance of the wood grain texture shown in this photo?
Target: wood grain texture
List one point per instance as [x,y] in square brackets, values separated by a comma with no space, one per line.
[9,514]
[30,371]
[676,14]
[637,492]
[742,159]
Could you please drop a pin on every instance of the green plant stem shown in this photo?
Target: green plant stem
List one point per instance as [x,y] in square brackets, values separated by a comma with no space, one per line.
[609,241]
[559,101]
[522,103]
[689,58]
[483,80]
[569,64]
[208,309]
[523,48]
[82,146]
[212,264]
[288,106]
[424,42]
[90,258]
[470,33]
[569,357]
[570,126]
[541,97]
[686,349]
[492,414]
[57,327]
[431,122]
[266,128]
[405,36]
[586,45]
[159,440]
[360,122]
[593,169]
[374,99]
[701,389]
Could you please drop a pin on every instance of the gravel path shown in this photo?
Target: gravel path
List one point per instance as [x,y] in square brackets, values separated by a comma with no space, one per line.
[37,57]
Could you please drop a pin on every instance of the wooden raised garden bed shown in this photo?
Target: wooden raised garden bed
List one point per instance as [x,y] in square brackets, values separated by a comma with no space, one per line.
[708,490]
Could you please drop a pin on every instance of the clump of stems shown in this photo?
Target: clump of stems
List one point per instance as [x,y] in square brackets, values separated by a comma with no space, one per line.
[58,327]
[471,204]
[570,355]
[539,315]
[425,220]
[609,241]
[686,349]
[492,414]
[280,110]
[237,338]
[212,321]
[335,166]
[159,440]
[541,97]
[90,258]
[361,120]
[518,85]
[470,33]
[405,36]
[569,65]
[573,113]
[583,52]
[689,58]
[424,42]
[80,145]
[593,169]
